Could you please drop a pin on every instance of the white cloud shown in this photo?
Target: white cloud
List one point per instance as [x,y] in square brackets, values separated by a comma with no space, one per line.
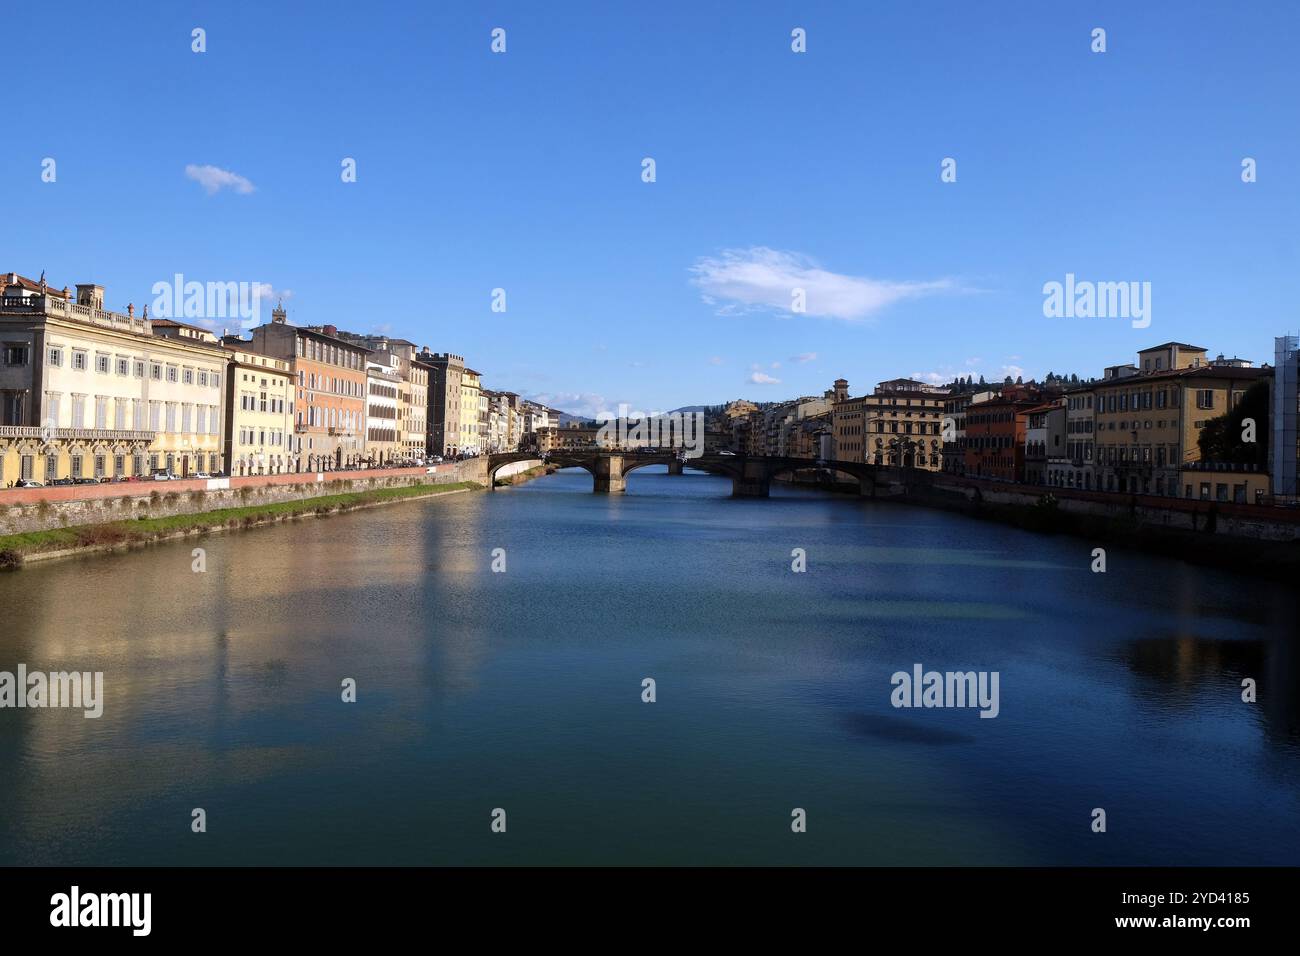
[264,290]
[932,378]
[973,361]
[715,360]
[804,358]
[585,404]
[759,278]
[214,178]
[1013,370]
[757,377]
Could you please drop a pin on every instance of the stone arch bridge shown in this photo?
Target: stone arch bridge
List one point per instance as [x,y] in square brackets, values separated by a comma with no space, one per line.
[751,475]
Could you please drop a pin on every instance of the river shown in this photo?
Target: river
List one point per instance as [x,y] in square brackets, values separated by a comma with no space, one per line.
[522,690]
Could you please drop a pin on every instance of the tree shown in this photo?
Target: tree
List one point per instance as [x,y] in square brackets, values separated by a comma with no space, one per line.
[1221,438]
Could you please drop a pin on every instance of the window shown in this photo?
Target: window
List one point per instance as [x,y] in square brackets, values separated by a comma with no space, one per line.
[76,468]
[56,357]
[172,373]
[1204,398]
[139,368]
[203,378]
[15,354]
[101,364]
[123,366]
[155,371]
[51,467]
[79,360]
[187,377]
[216,380]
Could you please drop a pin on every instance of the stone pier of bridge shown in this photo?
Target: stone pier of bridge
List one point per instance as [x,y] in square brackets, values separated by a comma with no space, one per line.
[608,473]
[752,482]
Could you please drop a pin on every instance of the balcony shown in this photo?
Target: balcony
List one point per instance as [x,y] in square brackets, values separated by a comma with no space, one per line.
[58,306]
[75,434]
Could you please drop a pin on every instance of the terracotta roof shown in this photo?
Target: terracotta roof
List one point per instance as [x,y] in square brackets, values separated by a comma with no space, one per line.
[32,285]
[172,323]
[1165,345]
[1200,371]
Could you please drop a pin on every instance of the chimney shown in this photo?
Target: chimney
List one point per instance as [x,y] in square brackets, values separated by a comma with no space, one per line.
[330,330]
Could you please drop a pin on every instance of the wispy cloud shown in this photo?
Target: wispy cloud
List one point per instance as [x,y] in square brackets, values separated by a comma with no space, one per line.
[804,358]
[585,404]
[758,377]
[268,292]
[715,360]
[213,179]
[763,279]
[932,378]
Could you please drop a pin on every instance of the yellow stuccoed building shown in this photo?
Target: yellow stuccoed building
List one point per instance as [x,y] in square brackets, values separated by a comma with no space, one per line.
[259,419]
[87,393]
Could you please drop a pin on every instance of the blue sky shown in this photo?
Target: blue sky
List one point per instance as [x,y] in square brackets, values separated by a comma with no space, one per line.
[522,171]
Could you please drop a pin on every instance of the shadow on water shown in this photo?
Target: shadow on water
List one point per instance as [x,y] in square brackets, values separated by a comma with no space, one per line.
[897,730]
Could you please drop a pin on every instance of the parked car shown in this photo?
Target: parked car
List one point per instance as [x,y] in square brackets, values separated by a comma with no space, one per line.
[200,474]
[27,483]
[163,476]
[85,481]
[731,453]
[62,481]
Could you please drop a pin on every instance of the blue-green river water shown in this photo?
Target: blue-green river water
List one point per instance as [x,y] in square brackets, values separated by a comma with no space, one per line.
[522,690]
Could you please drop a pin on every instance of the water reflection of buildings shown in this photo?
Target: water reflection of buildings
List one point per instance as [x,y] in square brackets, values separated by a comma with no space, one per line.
[1190,670]
[230,673]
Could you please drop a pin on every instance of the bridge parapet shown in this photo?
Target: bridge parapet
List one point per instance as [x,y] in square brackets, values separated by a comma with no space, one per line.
[751,475]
